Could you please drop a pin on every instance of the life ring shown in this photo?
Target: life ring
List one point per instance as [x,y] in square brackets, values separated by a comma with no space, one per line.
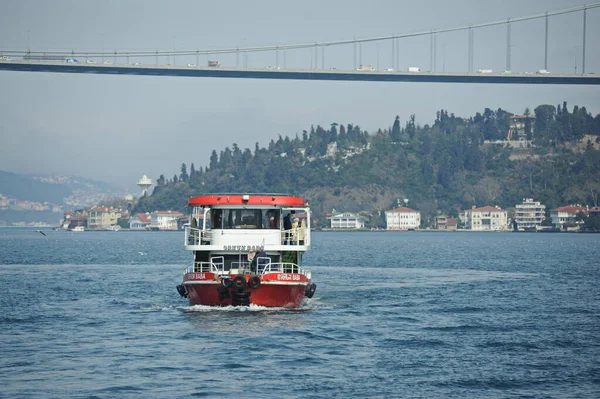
[254,282]
[226,282]
[310,290]
[239,282]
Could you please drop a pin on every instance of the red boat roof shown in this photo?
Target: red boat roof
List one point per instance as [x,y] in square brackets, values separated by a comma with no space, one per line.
[247,199]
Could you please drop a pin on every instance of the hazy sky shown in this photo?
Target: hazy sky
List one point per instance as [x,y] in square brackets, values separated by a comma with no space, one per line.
[117,128]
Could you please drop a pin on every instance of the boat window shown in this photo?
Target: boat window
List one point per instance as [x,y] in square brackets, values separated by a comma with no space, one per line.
[271,219]
[245,218]
[242,218]
[216,218]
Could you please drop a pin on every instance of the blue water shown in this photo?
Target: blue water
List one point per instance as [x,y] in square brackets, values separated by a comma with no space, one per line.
[395,315]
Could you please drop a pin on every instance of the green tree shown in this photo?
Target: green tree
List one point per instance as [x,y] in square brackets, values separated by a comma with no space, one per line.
[396,129]
[184,175]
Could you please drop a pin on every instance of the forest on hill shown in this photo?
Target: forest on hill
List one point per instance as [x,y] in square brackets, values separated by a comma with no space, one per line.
[445,167]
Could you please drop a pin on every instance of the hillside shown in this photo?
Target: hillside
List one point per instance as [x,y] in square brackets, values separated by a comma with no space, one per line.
[28,188]
[43,198]
[444,167]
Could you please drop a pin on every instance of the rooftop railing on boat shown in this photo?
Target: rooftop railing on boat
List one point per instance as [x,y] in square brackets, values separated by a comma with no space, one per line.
[197,236]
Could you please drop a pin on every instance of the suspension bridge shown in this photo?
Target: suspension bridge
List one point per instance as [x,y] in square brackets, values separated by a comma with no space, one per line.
[119,62]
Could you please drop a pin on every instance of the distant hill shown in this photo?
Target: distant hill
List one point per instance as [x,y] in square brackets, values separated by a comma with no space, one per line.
[67,191]
[28,188]
[446,167]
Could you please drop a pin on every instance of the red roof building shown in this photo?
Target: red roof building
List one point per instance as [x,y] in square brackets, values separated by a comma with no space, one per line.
[566,216]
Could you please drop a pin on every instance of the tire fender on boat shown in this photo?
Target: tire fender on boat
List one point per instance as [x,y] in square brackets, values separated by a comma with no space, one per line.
[182,290]
[226,282]
[239,282]
[310,290]
[254,282]
[223,293]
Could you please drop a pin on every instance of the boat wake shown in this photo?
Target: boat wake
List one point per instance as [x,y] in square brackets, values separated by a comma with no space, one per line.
[239,309]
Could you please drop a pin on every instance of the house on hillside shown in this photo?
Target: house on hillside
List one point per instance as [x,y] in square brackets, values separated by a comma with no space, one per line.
[402,218]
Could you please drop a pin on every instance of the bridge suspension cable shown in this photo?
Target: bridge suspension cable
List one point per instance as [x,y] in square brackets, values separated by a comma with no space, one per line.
[283,47]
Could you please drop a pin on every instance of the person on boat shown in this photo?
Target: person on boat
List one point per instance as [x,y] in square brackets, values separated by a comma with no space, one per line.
[272,222]
[251,255]
[302,232]
[287,226]
[260,253]
[295,227]
[218,219]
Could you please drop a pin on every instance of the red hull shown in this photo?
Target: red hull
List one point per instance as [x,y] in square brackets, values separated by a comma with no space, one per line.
[282,290]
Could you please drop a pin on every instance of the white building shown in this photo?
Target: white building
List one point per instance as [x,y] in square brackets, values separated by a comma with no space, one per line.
[402,219]
[164,220]
[139,221]
[566,215]
[347,221]
[529,214]
[487,218]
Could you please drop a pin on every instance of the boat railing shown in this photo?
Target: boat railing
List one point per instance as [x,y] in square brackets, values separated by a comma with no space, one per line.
[242,267]
[293,236]
[201,267]
[196,236]
[279,267]
[216,265]
[265,266]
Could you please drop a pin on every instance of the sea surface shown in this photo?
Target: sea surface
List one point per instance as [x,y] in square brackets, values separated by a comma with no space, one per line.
[395,315]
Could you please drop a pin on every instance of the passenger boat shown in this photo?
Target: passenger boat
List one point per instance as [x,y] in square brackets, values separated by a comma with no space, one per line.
[226,234]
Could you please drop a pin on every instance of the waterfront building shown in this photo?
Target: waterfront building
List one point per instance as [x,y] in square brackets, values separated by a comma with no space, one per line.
[402,218]
[139,221]
[565,216]
[102,217]
[347,220]
[443,222]
[529,214]
[165,220]
[487,218]
[74,219]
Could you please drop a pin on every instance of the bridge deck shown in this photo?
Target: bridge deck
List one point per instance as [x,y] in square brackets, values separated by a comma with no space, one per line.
[299,74]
